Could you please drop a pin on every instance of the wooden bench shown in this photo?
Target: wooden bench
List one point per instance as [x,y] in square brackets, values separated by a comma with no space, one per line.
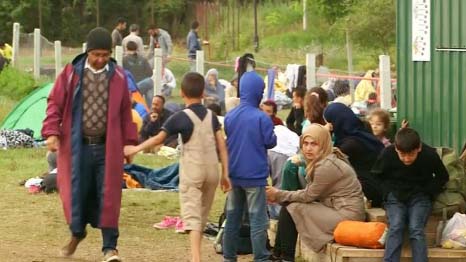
[339,253]
[378,215]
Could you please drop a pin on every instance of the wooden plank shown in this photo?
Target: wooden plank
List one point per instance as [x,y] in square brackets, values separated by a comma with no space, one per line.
[375,215]
[346,251]
[378,215]
[405,259]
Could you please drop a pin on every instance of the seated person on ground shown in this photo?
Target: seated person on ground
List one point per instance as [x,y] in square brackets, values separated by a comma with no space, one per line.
[412,175]
[379,119]
[168,82]
[270,108]
[295,118]
[231,94]
[364,88]
[214,91]
[332,194]
[371,102]
[359,144]
[341,90]
[154,121]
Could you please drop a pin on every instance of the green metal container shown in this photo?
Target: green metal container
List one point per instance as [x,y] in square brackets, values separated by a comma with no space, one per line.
[431,94]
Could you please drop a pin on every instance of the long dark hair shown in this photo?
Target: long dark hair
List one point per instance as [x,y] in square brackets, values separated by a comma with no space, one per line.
[301,81]
[315,102]
[244,61]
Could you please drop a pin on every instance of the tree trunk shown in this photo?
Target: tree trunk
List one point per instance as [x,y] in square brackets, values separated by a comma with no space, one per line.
[97,12]
[39,5]
[152,16]
[256,34]
[238,26]
[56,8]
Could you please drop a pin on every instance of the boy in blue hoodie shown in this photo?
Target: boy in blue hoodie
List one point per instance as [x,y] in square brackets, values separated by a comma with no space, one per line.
[249,134]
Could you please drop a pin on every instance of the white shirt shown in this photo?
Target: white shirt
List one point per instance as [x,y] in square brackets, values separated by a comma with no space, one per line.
[287,141]
[135,38]
[169,79]
[88,66]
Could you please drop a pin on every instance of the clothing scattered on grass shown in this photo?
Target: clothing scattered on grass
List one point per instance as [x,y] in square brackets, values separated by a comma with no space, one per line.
[155,179]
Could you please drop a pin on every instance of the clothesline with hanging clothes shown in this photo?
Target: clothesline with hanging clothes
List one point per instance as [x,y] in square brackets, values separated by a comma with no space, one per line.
[352,77]
[262,69]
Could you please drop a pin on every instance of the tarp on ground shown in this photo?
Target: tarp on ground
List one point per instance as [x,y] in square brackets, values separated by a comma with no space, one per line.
[156,179]
[29,112]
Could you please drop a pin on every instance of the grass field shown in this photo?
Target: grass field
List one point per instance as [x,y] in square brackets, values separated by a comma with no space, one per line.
[34,229]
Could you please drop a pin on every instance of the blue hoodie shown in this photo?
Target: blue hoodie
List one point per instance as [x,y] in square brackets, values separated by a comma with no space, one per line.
[249,134]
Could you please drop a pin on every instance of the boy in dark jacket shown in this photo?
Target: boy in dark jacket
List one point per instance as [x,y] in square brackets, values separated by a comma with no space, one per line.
[412,174]
[249,134]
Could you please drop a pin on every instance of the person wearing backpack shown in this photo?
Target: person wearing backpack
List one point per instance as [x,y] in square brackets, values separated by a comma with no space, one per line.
[412,175]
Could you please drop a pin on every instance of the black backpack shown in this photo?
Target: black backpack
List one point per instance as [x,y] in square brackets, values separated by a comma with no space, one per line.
[244,243]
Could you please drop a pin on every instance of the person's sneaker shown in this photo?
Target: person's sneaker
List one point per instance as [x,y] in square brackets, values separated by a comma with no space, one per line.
[111,256]
[70,248]
[167,222]
[275,258]
[179,227]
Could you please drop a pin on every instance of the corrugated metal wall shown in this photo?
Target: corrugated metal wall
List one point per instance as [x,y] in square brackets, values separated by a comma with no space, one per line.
[431,95]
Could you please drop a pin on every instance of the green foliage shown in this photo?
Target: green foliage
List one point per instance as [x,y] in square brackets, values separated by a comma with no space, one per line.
[276,16]
[6,104]
[374,30]
[15,84]
[333,10]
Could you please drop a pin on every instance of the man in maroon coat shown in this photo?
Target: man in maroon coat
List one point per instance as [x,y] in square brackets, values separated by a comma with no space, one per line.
[89,122]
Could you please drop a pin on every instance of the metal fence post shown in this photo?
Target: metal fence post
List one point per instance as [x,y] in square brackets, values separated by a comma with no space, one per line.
[200,62]
[119,55]
[157,75]
[57,58]
[310,71]
[37,53]
[15,44]
[385,82]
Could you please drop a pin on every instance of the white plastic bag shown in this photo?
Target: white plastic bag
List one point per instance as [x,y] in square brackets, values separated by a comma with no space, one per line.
[454,233]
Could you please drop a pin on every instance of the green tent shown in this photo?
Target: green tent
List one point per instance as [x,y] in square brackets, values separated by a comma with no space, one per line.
[30,111]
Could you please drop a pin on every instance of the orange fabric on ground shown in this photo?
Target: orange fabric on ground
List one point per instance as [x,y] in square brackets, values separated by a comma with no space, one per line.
[130,182]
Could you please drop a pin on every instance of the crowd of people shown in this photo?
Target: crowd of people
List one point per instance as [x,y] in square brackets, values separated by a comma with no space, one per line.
[323,160]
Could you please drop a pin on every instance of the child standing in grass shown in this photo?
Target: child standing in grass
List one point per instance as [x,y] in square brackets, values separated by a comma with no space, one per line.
[202,137]
[379,119]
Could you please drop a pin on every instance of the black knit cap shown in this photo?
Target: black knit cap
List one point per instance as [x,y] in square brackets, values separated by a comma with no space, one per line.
[99,38]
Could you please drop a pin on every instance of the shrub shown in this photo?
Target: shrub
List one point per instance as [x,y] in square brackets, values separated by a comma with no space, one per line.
[16,84]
